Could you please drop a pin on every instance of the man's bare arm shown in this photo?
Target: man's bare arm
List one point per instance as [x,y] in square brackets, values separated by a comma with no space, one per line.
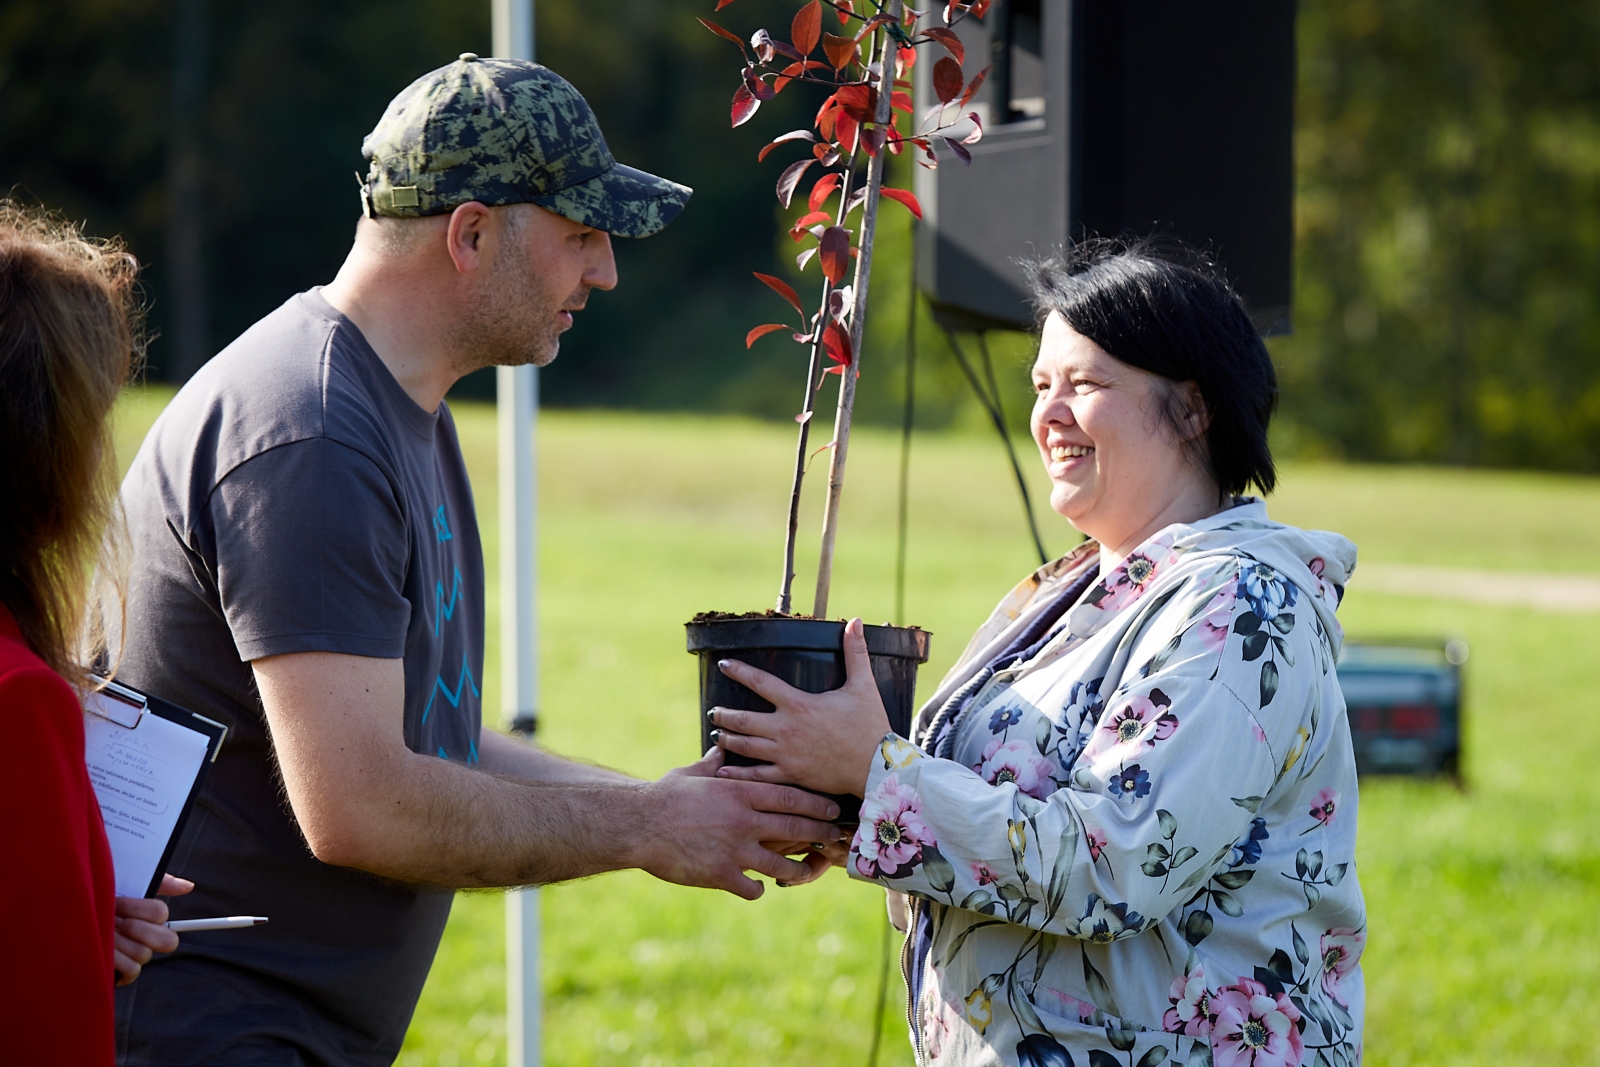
[364,800]
[515,758]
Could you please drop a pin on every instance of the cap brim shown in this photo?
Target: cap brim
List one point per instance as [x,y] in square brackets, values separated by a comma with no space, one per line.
[623,202]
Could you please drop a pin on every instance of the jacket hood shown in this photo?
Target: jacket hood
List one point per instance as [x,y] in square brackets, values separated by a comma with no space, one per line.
[1318,562]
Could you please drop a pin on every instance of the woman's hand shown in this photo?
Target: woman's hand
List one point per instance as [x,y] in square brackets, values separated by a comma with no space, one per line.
[141,929]
[817,857]
[822,741]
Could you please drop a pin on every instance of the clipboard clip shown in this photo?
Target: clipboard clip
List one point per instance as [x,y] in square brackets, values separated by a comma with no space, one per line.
[116,703]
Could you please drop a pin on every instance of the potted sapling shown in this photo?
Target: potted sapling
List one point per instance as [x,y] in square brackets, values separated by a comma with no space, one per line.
[866,115]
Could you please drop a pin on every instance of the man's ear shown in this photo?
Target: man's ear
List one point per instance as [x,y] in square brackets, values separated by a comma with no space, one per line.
[467,236]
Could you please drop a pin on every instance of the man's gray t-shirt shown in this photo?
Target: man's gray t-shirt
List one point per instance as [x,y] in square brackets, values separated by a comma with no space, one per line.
[293,498]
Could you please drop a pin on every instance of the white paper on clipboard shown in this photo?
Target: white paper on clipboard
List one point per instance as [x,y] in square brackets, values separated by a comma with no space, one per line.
[142,775]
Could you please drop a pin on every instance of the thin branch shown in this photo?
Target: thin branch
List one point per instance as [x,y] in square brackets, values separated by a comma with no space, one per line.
[905,445]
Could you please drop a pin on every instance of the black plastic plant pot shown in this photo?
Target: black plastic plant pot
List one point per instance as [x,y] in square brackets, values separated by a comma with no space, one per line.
[809,655]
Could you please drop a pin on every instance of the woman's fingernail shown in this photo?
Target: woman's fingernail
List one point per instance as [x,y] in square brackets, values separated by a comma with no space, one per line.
[716,735]
[818,845]
[784,885]
[833,811]
[724,664]
[711,713]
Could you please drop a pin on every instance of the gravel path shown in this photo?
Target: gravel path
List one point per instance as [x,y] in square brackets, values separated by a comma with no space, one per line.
[1571,595]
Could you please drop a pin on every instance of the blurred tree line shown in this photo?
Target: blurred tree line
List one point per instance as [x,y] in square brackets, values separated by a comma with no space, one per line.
[1447,301]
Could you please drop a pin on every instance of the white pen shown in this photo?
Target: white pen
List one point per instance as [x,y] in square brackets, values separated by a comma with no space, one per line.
[226,922]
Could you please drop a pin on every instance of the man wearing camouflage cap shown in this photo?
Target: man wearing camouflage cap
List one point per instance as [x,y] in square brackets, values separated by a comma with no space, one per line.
[306,569]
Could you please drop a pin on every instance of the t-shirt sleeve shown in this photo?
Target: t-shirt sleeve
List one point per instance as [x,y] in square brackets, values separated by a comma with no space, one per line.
[311,553]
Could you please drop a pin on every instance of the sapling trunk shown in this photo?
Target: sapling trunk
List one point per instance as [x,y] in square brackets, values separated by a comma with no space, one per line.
[858,317]
[859,114]
[785,591]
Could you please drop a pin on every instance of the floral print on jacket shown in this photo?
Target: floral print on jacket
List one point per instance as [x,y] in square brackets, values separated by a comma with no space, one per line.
[1137,847]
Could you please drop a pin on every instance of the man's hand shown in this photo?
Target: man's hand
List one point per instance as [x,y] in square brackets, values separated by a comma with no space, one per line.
[141,929]
[706,831]
[362,799]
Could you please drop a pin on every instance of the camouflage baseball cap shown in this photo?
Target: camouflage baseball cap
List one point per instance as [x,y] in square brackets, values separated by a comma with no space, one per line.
[506,131]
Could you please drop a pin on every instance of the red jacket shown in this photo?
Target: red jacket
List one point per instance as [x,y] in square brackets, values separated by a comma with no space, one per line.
[57,890]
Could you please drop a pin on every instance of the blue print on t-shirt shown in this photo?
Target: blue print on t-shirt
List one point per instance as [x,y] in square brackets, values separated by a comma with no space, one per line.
[441,525]
[453,696]
[441,610]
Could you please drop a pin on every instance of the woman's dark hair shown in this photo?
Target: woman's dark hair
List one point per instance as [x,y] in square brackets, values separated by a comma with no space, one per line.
[1166,309]
[68,340]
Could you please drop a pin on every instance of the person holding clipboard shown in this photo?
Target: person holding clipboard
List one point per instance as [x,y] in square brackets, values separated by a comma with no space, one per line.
[67,342]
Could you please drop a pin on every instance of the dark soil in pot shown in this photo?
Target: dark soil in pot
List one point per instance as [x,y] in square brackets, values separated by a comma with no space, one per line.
[808,654]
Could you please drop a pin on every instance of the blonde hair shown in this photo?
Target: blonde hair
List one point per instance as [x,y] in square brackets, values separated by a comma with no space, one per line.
[69,338]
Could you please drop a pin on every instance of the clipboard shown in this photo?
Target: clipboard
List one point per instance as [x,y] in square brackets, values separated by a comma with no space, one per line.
[147,760]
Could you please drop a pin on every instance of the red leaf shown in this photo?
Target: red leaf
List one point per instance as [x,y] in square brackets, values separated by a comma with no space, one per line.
[783,289]
[761,331]
[744,105]
[807,27]
[946,79]
[839,50]
[861,101]
[792,135]
[900,101]
[872,138]
[805,257]
[823,188]
[835,253]
[723,3]
[902,196]
[979,9]
[790,178]
[959,149]
[975,84]
[720,32]
[904,60]
[951,42]
[826,154]
[836,340]
[977,129]
[798,230]
[762,42]
[844,9]
[873,23]
[845,129]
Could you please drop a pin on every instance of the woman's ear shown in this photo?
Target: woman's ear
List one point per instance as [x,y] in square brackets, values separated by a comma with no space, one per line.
[1196,415]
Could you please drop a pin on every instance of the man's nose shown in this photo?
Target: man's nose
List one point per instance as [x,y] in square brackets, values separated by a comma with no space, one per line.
[601,270]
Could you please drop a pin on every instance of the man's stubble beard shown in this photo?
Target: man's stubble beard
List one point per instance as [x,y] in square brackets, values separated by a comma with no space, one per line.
[514,322]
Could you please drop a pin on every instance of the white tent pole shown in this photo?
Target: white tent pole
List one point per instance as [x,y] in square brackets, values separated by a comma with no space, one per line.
[517,390]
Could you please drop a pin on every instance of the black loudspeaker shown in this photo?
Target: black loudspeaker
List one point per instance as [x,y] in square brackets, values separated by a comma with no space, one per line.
[1107,117]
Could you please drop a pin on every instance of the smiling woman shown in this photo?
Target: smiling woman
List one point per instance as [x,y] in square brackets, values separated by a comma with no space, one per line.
[1143,727]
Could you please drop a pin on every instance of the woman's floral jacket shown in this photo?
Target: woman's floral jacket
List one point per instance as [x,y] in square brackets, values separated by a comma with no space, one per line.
[1140,847]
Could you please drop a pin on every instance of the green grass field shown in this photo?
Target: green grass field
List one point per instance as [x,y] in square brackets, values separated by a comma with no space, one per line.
[1480,952]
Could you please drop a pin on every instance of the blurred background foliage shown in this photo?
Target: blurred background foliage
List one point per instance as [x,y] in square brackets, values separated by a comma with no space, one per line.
[1447,301]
